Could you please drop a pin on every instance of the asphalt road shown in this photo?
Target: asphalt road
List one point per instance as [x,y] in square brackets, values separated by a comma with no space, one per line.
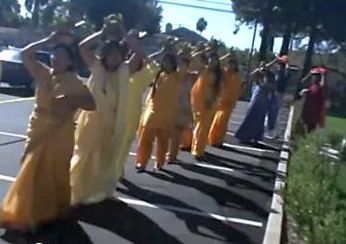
[225,199]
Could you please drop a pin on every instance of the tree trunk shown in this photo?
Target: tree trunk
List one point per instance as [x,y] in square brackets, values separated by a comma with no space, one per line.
[286,40]
[264,42]
[271,40]
[309,51]
[35,14]
[266,29]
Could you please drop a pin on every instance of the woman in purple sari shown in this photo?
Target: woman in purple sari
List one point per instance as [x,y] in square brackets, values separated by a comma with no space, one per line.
[252,128]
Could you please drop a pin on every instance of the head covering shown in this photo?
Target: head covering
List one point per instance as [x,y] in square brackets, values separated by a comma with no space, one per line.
[318,70]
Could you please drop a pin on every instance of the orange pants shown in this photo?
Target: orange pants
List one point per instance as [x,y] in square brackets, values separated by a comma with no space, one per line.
[186,139]
[174,144]
[219,126]
[145,147]
[203,122]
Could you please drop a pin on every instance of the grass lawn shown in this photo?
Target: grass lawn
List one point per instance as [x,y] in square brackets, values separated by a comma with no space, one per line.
[336,124]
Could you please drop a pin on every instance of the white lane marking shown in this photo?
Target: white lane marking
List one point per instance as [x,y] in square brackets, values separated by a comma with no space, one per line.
[202,165]
[239,116]
[246,148]
[209,166]
[7,178]
[192,212]
[13,135]
[172,208]
[135,155]
[235,122]
[17,100]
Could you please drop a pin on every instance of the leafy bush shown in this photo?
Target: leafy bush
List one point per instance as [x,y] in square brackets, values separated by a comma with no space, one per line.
[315,195]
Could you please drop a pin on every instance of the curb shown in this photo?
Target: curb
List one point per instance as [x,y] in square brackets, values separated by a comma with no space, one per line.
[275,220]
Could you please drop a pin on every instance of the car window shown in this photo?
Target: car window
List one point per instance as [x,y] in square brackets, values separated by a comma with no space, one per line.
[44,57]
[10,56]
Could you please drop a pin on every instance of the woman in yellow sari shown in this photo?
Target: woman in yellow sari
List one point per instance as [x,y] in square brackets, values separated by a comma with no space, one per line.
[203,99]
[41,192]
[226,103]
[138,84]
[100,133]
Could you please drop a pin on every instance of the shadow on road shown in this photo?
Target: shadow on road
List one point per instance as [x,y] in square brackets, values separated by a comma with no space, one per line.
[124,221]
[17,92]
[223,231]
[266,174]
[221,195]
[230,180]
[69,232]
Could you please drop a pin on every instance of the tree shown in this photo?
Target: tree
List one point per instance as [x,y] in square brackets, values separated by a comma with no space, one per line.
[201,25]
[169,27]
[10,13]
[144,15]
[34,7]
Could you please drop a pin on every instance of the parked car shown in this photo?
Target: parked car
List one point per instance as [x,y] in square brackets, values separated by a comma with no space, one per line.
[14,72]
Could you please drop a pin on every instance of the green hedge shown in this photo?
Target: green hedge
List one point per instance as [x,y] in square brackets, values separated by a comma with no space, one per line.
[315,196]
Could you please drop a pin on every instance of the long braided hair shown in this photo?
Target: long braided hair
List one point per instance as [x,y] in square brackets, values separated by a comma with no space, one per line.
[218,74]
[166,59]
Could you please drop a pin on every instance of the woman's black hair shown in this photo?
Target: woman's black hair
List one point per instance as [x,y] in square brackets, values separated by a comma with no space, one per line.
[172,59]
[235,62]
[218,74]
[107,47]
[70,53]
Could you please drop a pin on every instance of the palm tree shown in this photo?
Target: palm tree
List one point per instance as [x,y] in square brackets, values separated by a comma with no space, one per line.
[201,25]
[33,6]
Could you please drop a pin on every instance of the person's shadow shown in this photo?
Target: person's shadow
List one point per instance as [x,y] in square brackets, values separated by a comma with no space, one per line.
[222,196]
[124,221]
[222,231]
[60,232]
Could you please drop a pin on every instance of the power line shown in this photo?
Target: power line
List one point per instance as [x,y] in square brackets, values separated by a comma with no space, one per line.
[213,2]
[197,7]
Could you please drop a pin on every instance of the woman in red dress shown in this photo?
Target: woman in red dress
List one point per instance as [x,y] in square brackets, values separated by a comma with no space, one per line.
[315,98]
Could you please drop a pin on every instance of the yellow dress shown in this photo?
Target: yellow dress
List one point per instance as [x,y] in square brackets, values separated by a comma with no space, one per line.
[98,136]
[136,87]
[41,191]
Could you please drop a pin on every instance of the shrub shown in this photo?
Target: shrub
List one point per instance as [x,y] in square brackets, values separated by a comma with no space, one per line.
[315,194]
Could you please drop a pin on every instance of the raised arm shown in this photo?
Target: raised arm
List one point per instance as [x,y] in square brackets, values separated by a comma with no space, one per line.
[155,55]
[305,78]
[271,63]
[85,48]
[138,53]
[35,67]
[225,57]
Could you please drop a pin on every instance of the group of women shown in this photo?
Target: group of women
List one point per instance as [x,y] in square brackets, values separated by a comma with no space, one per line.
[269,88]
[79,136]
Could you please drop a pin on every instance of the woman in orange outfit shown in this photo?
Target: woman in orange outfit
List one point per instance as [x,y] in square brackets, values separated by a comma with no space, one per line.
[226,103]
[203,99]
[160,114]
[196,66]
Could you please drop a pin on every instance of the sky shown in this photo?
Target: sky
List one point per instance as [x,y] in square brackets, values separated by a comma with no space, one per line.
[220,25]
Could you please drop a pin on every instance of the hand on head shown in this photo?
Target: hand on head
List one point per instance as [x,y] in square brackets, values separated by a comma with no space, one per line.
[61,37]
[113,27]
